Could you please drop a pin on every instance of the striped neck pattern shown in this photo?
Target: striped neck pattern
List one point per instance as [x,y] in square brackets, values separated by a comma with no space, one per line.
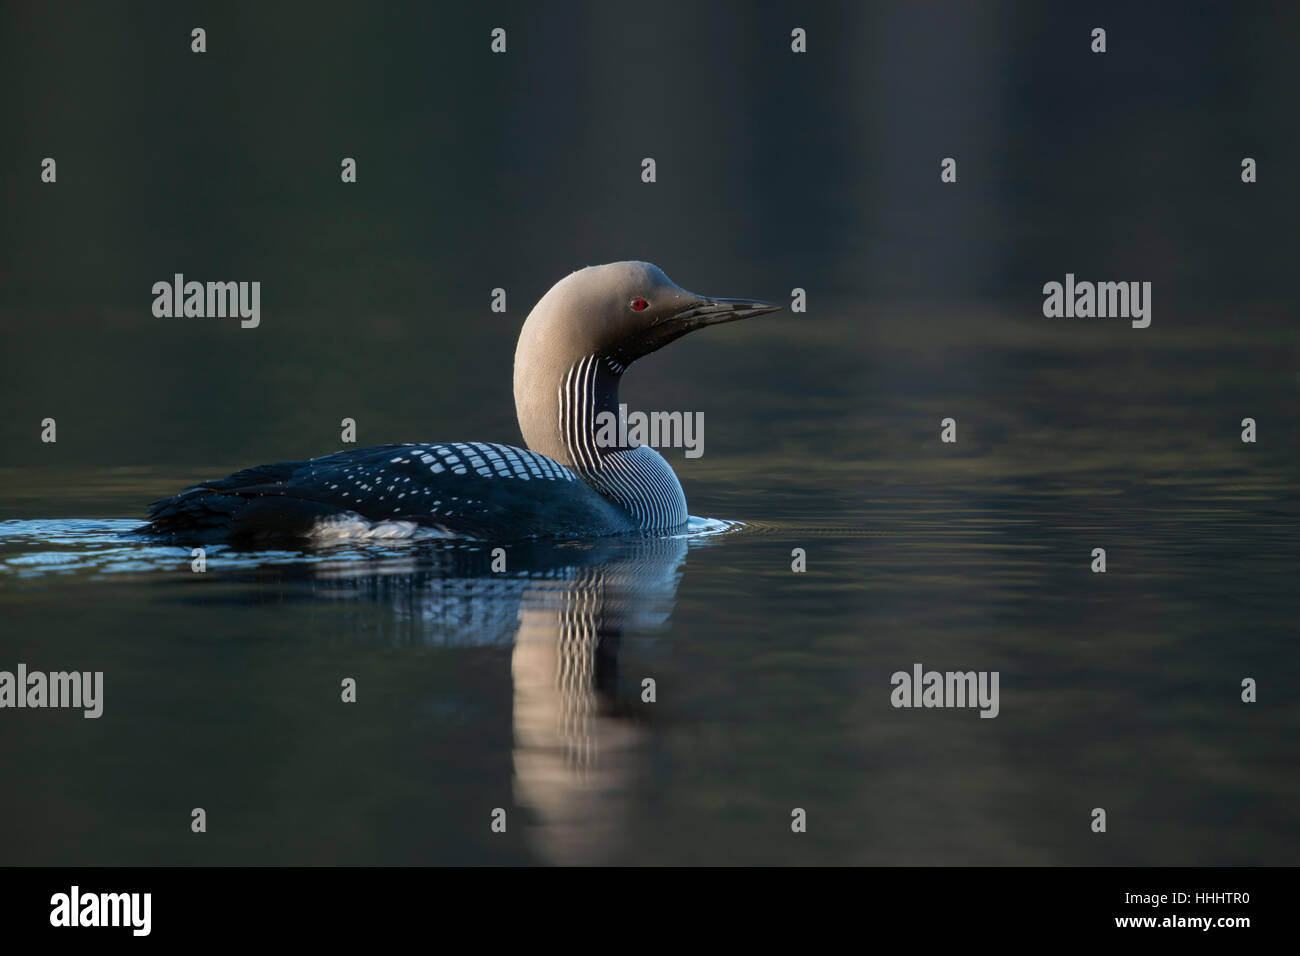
[637,478]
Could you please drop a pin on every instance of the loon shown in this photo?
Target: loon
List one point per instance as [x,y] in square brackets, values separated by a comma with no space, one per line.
[572,352]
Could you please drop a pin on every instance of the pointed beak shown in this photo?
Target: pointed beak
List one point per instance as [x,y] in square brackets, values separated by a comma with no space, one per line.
[702,312]
[695,313]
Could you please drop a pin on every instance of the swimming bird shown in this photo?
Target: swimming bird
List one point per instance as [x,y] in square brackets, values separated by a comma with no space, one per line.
[569,481]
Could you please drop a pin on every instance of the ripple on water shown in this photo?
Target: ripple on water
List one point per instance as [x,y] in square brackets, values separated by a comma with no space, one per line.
[105,546]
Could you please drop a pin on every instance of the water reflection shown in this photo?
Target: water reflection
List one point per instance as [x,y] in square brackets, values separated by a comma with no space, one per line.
[580,740]
[581,731]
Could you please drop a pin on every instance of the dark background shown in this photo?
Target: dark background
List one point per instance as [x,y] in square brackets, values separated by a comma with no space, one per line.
[476,171]
[775,171]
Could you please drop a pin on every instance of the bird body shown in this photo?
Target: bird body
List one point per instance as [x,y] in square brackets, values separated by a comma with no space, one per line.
[572,352]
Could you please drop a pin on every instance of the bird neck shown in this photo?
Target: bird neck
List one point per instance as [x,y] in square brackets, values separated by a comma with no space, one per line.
[589,391]
[562,417]
[559,406]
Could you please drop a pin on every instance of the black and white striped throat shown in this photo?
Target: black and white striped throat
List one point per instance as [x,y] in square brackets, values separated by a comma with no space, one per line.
[636,478]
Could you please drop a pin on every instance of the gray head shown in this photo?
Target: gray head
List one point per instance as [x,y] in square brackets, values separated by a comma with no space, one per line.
[616,313]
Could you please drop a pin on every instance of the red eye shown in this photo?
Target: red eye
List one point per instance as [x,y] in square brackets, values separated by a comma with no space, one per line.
[639,304]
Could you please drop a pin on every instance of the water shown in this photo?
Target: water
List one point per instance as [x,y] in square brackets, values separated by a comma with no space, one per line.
[523,691]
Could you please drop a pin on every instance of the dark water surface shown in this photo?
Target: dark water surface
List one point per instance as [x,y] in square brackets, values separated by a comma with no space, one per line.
[776,171]
[522,690]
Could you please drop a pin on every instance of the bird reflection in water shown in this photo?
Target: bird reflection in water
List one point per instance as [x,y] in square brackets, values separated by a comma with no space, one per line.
[579,754]
[581,729]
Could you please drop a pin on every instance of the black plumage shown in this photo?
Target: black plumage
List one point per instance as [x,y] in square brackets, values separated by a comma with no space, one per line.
[511,494]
